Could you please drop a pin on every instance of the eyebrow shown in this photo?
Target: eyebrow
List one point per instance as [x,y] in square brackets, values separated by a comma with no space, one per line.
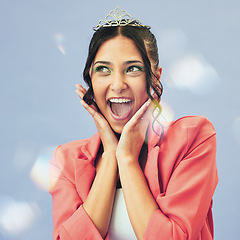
[125,63]
[103,62]
[132,62]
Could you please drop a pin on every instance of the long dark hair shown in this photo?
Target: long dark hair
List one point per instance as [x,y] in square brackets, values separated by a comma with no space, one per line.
[147,45]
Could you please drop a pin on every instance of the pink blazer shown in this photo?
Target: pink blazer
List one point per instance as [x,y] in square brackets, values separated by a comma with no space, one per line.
[181,173]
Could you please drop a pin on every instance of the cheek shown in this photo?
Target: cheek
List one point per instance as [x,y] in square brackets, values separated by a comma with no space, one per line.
[140,90]
[99,91]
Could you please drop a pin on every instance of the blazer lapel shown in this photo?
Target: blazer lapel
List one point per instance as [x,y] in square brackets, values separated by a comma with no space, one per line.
[151,171]
[85,170]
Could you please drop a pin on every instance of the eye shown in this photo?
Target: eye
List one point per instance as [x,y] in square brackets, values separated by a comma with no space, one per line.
[103,70]
[135,70]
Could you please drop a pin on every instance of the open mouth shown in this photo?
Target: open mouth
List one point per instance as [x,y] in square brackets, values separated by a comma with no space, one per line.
[120,107]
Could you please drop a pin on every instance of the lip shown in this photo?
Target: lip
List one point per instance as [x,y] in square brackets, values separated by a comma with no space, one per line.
[123,117]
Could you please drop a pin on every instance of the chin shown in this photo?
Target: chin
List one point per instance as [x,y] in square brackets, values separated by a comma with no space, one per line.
[117,129]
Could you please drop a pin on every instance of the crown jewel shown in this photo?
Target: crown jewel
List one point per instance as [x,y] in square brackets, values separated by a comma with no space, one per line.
[119,17]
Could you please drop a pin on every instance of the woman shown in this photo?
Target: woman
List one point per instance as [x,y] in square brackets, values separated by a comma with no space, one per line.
[165,174]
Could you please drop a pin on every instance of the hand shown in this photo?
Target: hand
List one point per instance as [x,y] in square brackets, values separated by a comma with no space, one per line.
[133,134]
[107,136]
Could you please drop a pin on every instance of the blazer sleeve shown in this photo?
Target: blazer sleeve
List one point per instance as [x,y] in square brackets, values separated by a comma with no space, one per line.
[185,205]
[70,221]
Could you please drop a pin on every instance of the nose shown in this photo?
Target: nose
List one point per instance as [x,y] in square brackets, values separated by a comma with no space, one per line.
[118,83]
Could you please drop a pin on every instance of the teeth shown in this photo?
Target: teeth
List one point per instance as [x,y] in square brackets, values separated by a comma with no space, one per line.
[119,100]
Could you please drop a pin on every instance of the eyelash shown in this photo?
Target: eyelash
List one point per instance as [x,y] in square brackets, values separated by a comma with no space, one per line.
[138,68]
[99,68]
[109,71]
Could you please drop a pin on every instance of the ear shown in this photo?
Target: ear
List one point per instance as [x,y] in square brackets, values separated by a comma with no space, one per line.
[158,73]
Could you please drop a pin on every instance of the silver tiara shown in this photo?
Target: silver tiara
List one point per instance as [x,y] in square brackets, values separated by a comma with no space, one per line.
[119,17]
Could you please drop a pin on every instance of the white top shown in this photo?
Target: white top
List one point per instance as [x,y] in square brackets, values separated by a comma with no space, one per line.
[120,227]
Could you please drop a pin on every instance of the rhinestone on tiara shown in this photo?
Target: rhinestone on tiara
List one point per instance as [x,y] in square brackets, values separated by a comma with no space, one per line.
[119,17]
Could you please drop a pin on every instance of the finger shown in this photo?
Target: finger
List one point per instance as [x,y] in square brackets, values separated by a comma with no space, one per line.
[88,107]
[149,110]
[79,86]
[92,110]
[81,91]
[139,115]
[140,118]
[106,133]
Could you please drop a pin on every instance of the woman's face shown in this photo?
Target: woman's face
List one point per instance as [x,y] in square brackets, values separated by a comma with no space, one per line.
[118,81]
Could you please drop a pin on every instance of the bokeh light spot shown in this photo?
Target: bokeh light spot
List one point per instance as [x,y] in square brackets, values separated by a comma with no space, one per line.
[194,73]
[59,38]
[40,170]
[16,216]
[167,112]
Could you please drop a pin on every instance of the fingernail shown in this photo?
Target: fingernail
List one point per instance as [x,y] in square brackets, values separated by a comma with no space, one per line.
[148,102]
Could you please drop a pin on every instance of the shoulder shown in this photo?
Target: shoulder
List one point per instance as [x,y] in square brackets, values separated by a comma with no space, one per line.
[191,137]
[193,121]
[66,154]
[192,126]
[187,132]
[71,149]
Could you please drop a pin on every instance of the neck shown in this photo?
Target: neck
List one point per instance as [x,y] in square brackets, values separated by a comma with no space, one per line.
[118,135]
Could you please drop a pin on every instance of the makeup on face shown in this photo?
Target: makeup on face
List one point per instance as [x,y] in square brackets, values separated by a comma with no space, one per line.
[119,81]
